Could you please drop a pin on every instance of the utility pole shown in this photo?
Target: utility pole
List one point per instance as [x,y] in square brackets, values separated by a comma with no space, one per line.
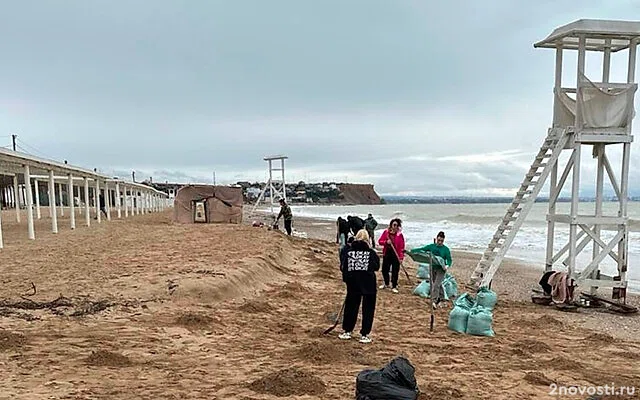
[214,178]
[13,138]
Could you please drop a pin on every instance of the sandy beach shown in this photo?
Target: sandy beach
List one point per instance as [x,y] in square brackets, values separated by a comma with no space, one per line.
[145,308]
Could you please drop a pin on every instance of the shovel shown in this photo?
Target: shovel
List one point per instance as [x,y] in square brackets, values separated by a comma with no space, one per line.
[431,297]
[329,329]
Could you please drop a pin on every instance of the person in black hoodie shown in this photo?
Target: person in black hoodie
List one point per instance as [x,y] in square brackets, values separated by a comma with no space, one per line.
[359,264]
[355,223]
[342,232]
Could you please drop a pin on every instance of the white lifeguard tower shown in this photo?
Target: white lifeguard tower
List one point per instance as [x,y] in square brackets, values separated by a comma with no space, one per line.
[593,114]
[275,185]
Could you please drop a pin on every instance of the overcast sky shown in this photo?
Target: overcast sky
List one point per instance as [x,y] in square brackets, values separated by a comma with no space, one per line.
[415,96]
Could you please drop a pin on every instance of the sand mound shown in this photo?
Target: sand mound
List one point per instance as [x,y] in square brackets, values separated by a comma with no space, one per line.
[255,306]
[194,321]
[537,378]
[291,290]
[325,273]
[10,341]
[294,287]
[531,345]
[285,328]
[546,321]
[601,338]
[319,352]
[562,363]
[446,361]
[103,358]
[628,354]
[549,320]
[289,382]
[437,392]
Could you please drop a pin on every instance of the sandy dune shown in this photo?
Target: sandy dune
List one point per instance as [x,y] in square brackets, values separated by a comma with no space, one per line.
[149,309]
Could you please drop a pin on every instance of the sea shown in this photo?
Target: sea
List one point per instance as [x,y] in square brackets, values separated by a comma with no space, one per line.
[469,227]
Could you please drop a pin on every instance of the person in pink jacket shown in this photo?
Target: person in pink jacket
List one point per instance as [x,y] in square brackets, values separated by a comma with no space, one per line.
[391,259]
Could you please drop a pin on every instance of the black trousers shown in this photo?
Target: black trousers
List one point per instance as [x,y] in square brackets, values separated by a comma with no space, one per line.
[351,307]
[372,236]
[390,263]
[287,226]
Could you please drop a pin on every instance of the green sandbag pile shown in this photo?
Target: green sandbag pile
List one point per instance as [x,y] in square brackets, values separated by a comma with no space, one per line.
[448,283]
[480,321]
[450,286]
[423,289]
[423,271]
[459,315]
[486,298]
[474,316]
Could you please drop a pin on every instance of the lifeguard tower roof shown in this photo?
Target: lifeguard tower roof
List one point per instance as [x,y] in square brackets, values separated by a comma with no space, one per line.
[597,32]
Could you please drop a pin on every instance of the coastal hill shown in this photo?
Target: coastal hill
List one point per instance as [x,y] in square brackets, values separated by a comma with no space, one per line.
[358,194]
[318,193]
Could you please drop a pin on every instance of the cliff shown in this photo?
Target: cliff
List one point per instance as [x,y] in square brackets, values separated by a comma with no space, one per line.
[351,193]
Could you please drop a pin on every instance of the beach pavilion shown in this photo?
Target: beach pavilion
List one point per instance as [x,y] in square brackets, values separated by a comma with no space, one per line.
[69,189]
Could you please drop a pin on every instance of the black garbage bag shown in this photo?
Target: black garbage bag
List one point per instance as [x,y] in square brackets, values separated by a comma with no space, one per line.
[395,381]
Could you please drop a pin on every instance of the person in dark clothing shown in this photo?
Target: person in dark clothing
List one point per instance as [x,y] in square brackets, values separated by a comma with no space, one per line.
[359,265]
[392,241]
[285,211]
[355,223]
[342,232]
[370,224]
[101,203]
[544,282]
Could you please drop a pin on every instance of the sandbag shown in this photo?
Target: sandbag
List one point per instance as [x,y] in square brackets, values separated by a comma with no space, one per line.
[458,319]
[423,289]
[395,381]
[423,271]
[450,286]
[465,300]
[480,321]
[486,298]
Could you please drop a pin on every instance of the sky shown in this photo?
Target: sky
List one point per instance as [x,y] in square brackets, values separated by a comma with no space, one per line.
[417,97]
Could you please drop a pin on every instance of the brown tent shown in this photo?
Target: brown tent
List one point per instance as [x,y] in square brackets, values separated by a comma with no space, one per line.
[205,203]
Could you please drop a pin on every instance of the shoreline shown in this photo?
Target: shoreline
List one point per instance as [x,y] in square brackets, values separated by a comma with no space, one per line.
[307,224]
[512,283]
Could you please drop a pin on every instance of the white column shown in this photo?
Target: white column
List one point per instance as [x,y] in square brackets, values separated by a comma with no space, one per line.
[52,202]
[575,178]
[87,213]
[118,200]
[138,210]
[96,198]
[126,201]
[107,200]
[30,228]
[60,198]
[37,191]
[16,197]
[72,205]
[599,150]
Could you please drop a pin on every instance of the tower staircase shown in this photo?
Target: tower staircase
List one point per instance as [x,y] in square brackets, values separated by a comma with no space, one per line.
[513,219]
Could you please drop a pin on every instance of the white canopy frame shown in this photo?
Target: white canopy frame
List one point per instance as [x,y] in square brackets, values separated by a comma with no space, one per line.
[29,173]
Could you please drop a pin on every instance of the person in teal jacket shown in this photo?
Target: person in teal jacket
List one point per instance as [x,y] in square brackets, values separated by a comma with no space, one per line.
[441,262]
